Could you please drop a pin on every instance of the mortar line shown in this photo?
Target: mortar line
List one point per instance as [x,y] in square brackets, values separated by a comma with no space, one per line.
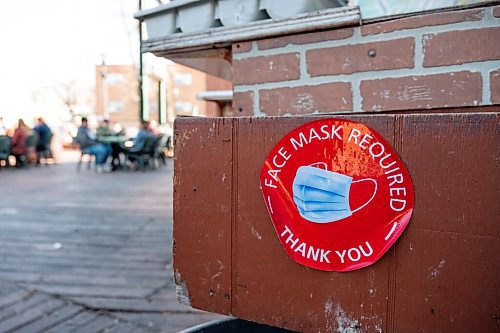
[374,75]
[357,38]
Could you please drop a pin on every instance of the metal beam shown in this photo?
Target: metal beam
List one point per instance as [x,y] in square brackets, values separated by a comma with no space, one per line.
[224,36]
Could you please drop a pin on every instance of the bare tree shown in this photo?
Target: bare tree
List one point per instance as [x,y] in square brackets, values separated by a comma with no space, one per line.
[68,94]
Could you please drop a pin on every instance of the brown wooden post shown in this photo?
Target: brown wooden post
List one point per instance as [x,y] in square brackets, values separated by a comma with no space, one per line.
[441,275]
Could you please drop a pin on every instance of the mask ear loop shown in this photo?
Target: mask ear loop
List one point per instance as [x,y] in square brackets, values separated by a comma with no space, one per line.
[373,195]
[322,163]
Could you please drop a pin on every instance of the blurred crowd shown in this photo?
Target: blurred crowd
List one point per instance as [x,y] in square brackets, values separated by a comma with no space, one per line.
[27,145]
[113,150]
[108,145]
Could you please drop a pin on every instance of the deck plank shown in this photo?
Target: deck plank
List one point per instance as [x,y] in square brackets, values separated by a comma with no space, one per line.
[79,248]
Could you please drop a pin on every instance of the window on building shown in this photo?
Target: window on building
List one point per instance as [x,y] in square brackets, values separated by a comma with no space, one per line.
[115,106]
[115,79]
[183,108]
[183,79]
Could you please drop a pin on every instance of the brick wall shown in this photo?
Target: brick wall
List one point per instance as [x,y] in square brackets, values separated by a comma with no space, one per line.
[438,60]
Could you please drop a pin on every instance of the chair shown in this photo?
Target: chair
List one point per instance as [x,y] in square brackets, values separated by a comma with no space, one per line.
[150,158]
[4,149]
[90,158]
[31,154]
[159,153]
[143,156]
[169,145]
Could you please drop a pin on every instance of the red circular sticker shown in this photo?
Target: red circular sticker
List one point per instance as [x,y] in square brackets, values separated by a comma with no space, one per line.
[337,193]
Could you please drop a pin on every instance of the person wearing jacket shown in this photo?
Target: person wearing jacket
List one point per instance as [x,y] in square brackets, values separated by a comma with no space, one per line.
[88,145]
[18,142]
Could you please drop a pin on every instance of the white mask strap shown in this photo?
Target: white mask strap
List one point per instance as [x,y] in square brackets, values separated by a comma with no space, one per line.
[322,163]
[373,195]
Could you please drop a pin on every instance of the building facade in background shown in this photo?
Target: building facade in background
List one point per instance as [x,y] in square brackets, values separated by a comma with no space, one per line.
[117,94]
[169,91]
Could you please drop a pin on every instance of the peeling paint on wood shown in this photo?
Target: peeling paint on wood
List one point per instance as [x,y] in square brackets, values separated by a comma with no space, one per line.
[181,290]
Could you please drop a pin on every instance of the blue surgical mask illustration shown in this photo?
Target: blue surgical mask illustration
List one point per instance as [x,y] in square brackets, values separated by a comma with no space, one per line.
[322,196]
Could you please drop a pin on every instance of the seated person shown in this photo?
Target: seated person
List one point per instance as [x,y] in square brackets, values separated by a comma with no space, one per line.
[88,145]
[105,129]
[18,143]
[138,143]
[44,133]
[140,139]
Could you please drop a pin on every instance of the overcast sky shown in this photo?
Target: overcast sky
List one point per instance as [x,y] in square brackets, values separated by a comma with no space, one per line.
[50,41]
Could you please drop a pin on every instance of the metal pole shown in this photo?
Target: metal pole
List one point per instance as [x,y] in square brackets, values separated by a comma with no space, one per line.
[105,92]
[162,103]
[140,79]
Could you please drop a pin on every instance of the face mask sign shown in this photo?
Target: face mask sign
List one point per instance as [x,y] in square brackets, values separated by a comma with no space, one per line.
[337,193]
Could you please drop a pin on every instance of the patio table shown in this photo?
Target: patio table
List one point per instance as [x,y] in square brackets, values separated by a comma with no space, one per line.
[114,141]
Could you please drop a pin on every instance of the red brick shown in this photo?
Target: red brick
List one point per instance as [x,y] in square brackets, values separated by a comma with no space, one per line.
[495,86]
[243,103]
[429,91]
[459,47]
[419,21]
[314,37]
[392,54]
[241,47]
[496,11]
[330,97]
[282,67]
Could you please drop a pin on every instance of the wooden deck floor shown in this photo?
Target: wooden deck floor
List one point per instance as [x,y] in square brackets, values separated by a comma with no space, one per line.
[88,252]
